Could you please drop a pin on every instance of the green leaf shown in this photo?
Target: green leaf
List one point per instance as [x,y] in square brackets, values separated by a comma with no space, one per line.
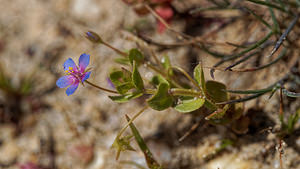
[151,162]
[126,97]
[124,88]
[126,75]
[161,99]
[216,91]
[135,55]
[115,77]
[167,64]
[199,76]
[121,80]
[190,105]
[158,79]
[136,78]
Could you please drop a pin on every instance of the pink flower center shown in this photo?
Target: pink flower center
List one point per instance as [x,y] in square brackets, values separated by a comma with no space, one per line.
[76,73]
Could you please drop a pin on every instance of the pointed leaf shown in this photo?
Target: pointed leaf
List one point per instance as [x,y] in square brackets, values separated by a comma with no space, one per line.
[151,162]
[190,105]
[167,64]
[136,78]
[161,99]
[199,76]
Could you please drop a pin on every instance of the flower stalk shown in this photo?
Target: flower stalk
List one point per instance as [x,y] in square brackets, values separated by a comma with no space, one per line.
[101,88]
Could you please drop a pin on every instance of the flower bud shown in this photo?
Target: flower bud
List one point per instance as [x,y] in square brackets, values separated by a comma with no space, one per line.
[93,37]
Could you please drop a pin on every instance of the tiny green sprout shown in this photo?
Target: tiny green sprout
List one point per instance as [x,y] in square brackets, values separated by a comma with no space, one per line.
[288,127]
[122,144]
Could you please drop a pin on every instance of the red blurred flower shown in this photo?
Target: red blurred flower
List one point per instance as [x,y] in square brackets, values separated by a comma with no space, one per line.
[166,13]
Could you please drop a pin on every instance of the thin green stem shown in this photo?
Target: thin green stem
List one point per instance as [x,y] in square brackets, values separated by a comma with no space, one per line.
[259,18]
[280,56]
[265,90]
[188,76]
[254,46]
[276,28]
[115,49]
[131,120]
[184,92]
[101,88]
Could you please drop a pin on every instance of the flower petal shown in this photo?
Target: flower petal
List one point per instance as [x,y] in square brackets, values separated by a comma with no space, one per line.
[84,61]
[72,88]
[69,63]
[86,76]
[64,81]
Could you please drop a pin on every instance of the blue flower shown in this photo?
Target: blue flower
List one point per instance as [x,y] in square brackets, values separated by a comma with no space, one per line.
[75,74]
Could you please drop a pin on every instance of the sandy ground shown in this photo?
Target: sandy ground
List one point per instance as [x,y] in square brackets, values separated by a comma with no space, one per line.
[37,36]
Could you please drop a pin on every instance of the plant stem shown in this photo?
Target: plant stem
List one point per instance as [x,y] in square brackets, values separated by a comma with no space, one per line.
[184,92]
[188,76]
[131,120]
[115,49]
[101,88]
